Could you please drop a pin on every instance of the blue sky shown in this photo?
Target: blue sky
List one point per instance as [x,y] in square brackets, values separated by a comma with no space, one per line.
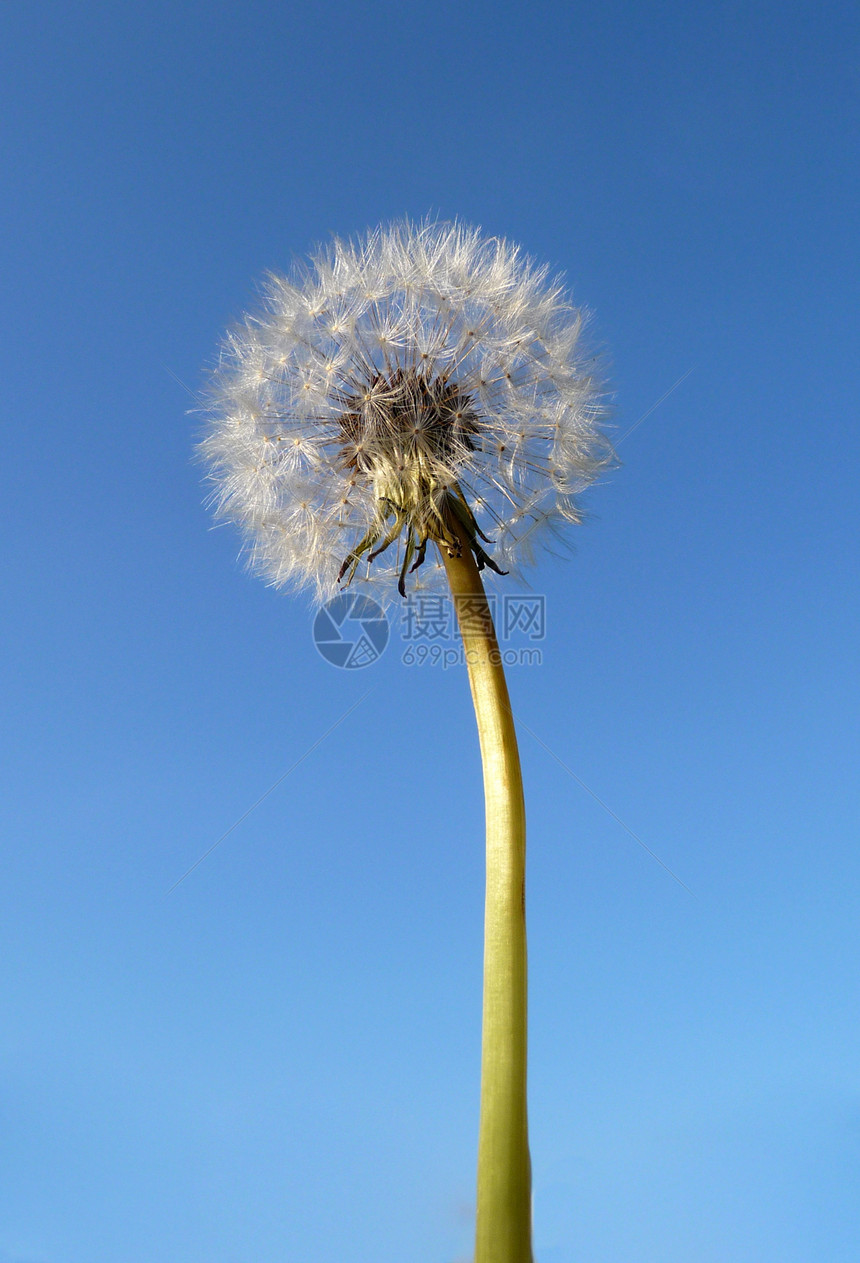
[279,1059]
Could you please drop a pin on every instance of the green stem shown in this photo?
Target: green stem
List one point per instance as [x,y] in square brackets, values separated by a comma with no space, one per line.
[503,1227]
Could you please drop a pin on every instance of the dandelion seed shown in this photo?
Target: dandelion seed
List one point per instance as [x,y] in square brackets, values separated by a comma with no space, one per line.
[447,349]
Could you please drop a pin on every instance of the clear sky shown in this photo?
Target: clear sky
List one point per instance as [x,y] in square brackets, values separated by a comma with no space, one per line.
[278,1060]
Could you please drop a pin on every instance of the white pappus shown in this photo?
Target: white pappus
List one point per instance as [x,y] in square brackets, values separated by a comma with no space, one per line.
[421,385]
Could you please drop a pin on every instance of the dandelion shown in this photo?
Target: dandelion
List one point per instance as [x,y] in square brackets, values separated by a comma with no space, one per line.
[413,408]
[422,385]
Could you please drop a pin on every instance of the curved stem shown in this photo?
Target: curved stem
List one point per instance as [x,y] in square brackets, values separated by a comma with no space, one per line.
[503,1228]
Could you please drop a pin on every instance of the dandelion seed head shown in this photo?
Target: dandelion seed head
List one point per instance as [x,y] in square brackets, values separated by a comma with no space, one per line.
[421,385]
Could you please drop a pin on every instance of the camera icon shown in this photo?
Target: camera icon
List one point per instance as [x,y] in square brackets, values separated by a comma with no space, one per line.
[351,631]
